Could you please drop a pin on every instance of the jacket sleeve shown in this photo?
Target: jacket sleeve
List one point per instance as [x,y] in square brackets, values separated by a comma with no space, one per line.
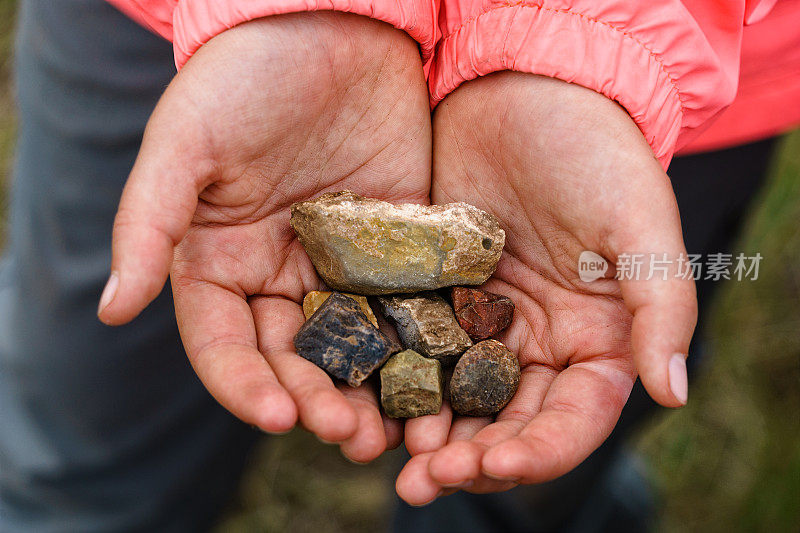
[672,64]
[191,23]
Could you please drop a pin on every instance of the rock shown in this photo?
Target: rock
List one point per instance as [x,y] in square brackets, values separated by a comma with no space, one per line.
[340,339]
[367,246]
[481,314]
[314,299]
[426,324]
[411,385]
[447,375]
[484,379]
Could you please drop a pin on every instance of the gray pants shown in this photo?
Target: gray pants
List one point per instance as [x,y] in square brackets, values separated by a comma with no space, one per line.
[101,429]
[108,429]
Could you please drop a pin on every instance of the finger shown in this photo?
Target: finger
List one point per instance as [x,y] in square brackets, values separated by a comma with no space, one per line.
[428,433]
[660,335]
[535,380]
[664,307]
[459,464]
[456,464]
[219,336]
[369,440]
[323,410]
[414,485]
[578,413]
[156,208]
[394,431]
[465,427]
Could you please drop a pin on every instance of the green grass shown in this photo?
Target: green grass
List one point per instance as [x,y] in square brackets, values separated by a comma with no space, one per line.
[730,461]
[7,115]
[295,483]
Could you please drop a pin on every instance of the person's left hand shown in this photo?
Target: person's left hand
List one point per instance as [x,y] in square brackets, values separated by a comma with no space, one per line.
[565,170]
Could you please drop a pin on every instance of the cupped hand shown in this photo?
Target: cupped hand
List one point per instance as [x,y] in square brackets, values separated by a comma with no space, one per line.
[565,170]
[266,114]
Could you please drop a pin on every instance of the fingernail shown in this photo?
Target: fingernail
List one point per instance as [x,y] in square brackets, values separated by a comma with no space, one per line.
[678,381]
[270,433]
[428,502]
[501,478]
[351,460]
[108,292]
[463,485]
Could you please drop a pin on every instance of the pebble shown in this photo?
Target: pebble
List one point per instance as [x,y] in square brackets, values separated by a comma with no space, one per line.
[314,299]
[480,313]
[368,246]
[341,339]
[426,324]
[484,379]
[411,385]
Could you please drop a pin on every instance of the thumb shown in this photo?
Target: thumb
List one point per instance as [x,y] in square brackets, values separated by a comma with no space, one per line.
[156,208]
[651,268]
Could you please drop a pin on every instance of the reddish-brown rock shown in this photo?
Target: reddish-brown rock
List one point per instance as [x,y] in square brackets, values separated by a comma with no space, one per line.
[481,313]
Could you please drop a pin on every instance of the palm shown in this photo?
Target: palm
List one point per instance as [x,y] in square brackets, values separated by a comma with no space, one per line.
[556,194]
[323,102]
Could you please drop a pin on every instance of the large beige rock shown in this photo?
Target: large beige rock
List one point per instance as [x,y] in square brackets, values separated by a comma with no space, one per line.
[368,246]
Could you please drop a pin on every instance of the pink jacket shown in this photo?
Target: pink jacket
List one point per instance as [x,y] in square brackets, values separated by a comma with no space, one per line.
[674,65]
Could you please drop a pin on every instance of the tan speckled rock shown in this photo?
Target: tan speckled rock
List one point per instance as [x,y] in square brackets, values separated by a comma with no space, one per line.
[425,323]
[314,299]
[368,246]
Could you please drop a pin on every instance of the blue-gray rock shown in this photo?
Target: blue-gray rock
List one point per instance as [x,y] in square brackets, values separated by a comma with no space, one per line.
[340,339]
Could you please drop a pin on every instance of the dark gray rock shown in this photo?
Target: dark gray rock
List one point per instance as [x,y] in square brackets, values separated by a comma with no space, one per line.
[484,379]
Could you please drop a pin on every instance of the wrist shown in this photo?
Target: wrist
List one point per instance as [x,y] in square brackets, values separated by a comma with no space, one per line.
[316,45]
[542,119]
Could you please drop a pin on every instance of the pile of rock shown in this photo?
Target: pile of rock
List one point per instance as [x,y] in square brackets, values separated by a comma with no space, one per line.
[403,254]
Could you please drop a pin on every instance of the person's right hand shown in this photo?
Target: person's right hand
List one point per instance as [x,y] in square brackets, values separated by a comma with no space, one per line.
[266,114]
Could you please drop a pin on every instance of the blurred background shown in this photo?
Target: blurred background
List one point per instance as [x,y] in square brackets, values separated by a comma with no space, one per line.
[729,461]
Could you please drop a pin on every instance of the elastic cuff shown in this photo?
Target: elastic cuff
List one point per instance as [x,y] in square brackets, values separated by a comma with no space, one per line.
[195,22]
[756,10]
[571,47]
